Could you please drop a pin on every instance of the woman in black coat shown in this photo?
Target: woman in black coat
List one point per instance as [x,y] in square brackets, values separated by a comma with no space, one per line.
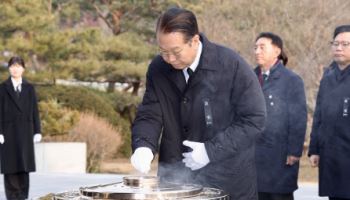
[280,145]
[19,126]
[330,137]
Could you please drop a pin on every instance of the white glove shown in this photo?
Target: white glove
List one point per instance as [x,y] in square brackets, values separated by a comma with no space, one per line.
[37,137]
[2,139]
[141,159]
[197,158]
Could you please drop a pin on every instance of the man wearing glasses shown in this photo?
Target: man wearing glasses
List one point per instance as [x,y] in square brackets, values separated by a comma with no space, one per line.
[330,137]
[202,110]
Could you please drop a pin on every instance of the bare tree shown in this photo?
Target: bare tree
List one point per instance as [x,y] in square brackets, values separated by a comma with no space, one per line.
[306,26]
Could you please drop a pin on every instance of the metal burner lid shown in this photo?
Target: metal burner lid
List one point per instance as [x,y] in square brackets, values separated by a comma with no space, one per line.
[144,188]
[141,181]
[121,191]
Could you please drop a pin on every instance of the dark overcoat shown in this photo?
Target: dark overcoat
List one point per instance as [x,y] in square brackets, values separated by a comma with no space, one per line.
[19,121]
[284,131]
[221,106]
[330,136]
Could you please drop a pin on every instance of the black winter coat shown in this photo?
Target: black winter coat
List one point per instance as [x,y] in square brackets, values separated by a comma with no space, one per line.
[221,106]
[284,131]
[330,136]
[19,121]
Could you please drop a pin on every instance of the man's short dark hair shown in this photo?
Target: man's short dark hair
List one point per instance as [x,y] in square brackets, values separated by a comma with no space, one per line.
[277,41]
[16,60]
[341,29]
[178,20]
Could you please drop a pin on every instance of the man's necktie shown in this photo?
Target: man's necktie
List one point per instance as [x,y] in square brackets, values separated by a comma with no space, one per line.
[265,78]
[18,91]
[190,72]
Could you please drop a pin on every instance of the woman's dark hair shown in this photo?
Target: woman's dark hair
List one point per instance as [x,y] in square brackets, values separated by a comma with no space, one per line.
[178,20]
[341,29]
[277,41]
[16,60]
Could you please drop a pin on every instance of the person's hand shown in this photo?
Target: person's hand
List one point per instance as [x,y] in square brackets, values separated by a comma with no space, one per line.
[197,158]
[2,139]
[291,160]
[37,138]
[314,160]
[141,159]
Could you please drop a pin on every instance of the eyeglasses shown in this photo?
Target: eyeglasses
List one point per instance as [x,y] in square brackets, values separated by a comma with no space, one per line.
[167,54]
[176,53]
[343,44]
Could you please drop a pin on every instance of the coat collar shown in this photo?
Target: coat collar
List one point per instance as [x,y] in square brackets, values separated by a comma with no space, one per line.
[340,74]
[12,93]
[177,77]
[208,58]
[275,73]
[208,61]
[9,82]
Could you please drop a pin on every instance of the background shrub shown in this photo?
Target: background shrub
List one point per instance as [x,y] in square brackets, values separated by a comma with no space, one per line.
[56,119]
[117,108]
[80,98]
[102,139]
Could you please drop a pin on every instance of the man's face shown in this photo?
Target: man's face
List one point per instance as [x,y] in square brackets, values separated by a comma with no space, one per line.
[341,49]
[16,70]
[175,50]
[265,52]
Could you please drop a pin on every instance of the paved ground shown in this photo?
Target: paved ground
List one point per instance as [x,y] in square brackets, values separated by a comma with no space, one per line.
[42,184]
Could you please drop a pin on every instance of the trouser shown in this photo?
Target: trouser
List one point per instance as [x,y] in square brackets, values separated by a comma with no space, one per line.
[274,196]
[335,198]
[16,186]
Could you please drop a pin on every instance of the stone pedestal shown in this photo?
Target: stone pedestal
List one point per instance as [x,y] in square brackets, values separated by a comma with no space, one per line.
[62,157]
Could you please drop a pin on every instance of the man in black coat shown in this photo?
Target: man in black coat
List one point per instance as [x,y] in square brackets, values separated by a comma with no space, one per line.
[203,104]
[330,137]
[19,126]
[280,145]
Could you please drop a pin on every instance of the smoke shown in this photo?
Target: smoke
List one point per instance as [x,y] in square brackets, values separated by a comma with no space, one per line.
[175,173]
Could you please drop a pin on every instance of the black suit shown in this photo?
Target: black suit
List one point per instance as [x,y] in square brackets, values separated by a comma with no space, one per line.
[222,106]
[284,131]
[19,121]
[330,136]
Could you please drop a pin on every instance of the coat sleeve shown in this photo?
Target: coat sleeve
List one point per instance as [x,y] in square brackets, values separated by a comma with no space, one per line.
[36,118]
[1,110]
[297,116]
[147,125]
[316,123]
[249,108]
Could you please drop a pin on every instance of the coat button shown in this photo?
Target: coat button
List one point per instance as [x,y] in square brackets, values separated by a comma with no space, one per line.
[270,96]
[186,129]
[272,104]
[185,100]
